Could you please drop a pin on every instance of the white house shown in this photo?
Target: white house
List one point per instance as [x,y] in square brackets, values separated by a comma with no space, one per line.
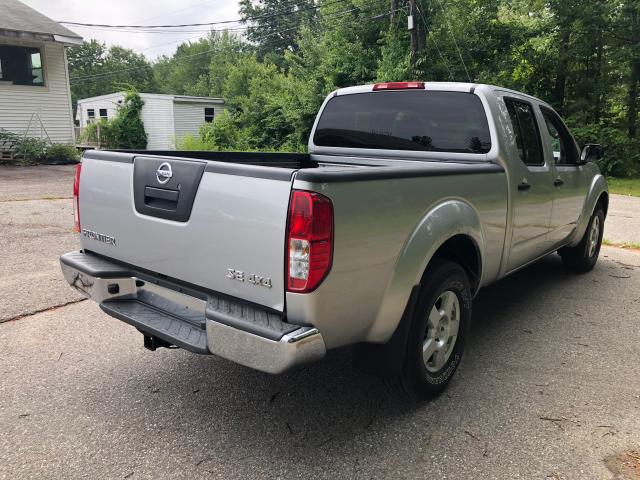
[165,117]
[34,79]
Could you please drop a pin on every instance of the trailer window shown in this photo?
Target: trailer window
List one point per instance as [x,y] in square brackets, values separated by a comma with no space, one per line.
[405,120]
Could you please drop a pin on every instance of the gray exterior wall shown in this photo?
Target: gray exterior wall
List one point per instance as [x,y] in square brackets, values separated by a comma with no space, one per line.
[108,102]
[157,116]
[52,102]
[190,116]
[166,118]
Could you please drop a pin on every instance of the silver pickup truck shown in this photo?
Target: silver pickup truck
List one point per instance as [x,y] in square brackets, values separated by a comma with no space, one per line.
[412,197]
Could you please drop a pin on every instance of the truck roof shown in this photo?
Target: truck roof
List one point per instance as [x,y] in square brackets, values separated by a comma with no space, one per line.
[446,86]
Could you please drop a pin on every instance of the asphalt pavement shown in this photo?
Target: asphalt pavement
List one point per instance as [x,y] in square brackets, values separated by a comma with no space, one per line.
[36,227]
[549,386]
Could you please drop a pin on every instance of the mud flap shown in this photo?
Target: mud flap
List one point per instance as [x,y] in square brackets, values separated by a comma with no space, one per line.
[386,359]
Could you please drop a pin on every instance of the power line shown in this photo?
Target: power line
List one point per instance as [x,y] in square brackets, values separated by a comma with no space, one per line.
[181,40]
[444,14]
[168,32]
[284,11]
[115,72]
[446,64]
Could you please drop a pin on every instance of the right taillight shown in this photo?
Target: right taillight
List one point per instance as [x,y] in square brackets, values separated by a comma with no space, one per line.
[309,240]
[76,198]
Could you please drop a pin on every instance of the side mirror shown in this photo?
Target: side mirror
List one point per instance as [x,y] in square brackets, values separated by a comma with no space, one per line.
[591,152]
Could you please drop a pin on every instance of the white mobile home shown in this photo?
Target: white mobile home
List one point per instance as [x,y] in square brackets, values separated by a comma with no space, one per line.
[165,117]
[34,79]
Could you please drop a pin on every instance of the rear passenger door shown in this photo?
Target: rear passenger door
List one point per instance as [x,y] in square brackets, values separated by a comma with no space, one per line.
[531,184]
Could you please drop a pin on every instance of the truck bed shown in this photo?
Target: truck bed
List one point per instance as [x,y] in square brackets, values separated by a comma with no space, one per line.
[217,212]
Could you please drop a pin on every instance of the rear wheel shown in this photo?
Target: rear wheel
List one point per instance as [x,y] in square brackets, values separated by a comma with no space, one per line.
[438,332]
[584,256]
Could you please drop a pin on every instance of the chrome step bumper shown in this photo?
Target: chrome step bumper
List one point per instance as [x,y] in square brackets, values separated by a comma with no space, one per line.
[201,322]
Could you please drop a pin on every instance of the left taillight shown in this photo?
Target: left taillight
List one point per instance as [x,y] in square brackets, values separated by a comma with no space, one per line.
[76,198]
[309,240]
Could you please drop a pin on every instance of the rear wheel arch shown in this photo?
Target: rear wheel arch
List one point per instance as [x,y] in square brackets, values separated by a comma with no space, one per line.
[463,250]
[386,359]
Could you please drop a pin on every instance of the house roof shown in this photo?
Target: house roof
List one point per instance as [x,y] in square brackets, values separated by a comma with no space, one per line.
[17,18]
[175,98]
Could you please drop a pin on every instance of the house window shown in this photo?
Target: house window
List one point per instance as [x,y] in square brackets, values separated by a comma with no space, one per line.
[21,65]
[91,115]
[103,113]
[208,115]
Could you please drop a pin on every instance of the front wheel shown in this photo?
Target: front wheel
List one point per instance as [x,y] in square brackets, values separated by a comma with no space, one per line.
[583,257]
[438,330]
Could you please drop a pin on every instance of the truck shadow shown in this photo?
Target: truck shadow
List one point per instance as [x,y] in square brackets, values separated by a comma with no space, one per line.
[237,413]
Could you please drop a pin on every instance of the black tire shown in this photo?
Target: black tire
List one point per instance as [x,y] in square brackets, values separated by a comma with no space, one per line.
[417,379]
[583,257]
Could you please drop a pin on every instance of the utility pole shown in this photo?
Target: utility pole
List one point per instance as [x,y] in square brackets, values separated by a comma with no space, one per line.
[394,7]
[413,28]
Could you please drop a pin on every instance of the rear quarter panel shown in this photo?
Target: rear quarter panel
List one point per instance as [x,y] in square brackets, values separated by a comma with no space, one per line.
[375,263]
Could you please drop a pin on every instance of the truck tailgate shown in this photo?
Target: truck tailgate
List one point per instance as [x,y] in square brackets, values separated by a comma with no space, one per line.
[215,225]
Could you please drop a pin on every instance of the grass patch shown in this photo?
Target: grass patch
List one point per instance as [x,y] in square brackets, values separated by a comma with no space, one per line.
[624,186]
[627,245]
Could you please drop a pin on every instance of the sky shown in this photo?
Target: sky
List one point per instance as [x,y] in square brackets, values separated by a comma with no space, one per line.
[139,12]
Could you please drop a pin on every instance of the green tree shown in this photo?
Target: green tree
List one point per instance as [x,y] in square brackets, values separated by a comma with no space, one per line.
[186,72]
[96,70]
[127,129]
[273,25]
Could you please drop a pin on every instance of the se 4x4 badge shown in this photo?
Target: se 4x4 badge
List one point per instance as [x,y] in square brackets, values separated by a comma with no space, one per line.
[240,276]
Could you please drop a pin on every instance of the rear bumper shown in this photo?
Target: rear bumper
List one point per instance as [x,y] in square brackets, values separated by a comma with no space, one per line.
[201,322]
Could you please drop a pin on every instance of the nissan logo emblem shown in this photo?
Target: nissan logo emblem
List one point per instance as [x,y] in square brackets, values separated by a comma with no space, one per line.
[164,173]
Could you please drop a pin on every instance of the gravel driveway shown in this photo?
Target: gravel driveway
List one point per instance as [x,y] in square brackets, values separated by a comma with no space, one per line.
[549,387]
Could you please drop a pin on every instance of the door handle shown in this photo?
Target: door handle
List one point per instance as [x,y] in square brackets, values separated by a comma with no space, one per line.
[524,186]
[558,182]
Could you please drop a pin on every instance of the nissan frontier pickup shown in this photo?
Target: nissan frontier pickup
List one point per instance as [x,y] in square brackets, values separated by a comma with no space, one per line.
[412,197]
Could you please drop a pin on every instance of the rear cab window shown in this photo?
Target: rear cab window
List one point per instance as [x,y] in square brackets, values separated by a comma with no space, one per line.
[418,120]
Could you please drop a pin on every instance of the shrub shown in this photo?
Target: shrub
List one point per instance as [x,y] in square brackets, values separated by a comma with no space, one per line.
[61,154]
[193,143]
[29,150]
[7,138]
[100,133]
[125,131]
[128,129]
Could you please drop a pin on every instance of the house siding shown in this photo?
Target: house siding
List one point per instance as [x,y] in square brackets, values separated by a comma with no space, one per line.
[190,116]
[110,103]
[52,102]
[157,116]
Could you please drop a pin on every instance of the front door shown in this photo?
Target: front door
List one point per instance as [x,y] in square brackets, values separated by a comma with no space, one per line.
[569,186]
[531,184]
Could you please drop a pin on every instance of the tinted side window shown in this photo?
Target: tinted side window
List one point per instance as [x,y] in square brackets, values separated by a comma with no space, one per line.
[562,143]
[405,120]
[526,131]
